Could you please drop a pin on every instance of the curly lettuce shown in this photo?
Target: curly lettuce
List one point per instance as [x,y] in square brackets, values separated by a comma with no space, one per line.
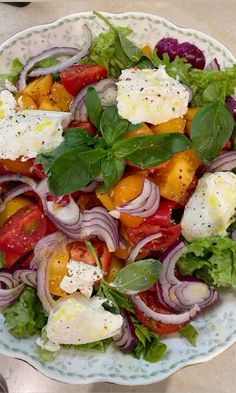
[211,259]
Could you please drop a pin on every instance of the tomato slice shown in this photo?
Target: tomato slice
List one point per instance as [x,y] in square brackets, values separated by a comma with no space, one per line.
[86,125]
[23,230]
[163,215]
[168,235]
[76,77]
[79,252]
[151,300]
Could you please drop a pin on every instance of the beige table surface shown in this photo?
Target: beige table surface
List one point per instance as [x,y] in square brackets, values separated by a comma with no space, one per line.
[215,17]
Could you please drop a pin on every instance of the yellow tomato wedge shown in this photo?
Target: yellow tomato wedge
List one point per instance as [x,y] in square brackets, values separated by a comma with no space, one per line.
[13,206]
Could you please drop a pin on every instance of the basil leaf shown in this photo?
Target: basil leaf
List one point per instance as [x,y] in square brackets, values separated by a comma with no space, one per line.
[92,156]
[190,333]
[112,126]
[155,351]
[2,260]
[112,171]
[69,172]
[152,149]
[73,138]
[138,276]
[76,137]
[211,129]
[94,106]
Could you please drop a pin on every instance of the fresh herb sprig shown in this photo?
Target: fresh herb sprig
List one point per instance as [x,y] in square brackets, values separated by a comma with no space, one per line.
[80,158]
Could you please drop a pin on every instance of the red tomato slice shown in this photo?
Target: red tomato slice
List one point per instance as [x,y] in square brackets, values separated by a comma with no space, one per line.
[86,125]
[76,77]
[23,230]
[157,327]
[163,214]
[10,259]
[80,253]
[169,235]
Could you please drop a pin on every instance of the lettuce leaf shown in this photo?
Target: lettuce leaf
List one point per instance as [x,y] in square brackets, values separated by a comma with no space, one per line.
[211,85]
[26,316]
[14,72]
[103,50]
[211,259]
[149,347]
[190,333]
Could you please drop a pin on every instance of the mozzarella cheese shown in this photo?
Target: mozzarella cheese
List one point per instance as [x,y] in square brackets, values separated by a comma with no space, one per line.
[212,207]
[150,96]
[82,276]
[78,320]
[27,133]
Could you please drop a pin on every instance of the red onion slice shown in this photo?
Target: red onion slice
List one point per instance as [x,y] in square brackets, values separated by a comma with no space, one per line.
[26,276]
[90,187]
[19,178]
[170,319]
[136,249]
[73,60]
[49,246]
[185,294]
[146,204]
[225,162]
[14,193]
[127,340]
[101,87]
[213,65]
[14,289]
[7,279]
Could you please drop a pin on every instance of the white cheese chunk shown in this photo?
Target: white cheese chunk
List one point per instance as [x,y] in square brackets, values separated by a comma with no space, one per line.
[78,320]
[211,209]
[150,96]
[26,133]
[82,276]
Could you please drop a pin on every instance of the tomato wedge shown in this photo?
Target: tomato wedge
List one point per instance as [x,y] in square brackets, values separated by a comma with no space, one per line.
[23,230]
[163,215]
[76,77]
[86,125]
[79,252]
[150,298]
[168,235]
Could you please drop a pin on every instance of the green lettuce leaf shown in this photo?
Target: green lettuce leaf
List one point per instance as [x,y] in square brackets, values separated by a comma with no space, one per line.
[14,72]
[149,347]
[211,85]
[26,316]
[212,260]
[190,333]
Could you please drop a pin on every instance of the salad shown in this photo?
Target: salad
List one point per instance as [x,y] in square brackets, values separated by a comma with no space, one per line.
[118,202]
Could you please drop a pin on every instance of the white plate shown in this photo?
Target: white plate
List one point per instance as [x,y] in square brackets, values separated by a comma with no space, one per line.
[217,329]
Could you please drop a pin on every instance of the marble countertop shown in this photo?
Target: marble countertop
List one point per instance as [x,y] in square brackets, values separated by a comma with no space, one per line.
[216,18]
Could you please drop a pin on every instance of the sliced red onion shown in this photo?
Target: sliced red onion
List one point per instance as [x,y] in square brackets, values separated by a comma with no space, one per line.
[146,204]
[170,319]
[101,87]
[14,193]
[7,279]
[52,52]
[19,178]
[225,162]
[213,65]
[44,253]
[127,340]
[14,289]
[73,60]
[182,295]
[26,276]
[98,222]
[231,103]
[136,249]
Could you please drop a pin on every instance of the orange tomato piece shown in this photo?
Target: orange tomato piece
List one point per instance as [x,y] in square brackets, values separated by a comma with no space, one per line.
[144,130]
[57,271]
[189,116]
[175,178]
[147,50]
[18,166]
[61,97]
[26,102]
[39,88]
[173,125]
[47,104]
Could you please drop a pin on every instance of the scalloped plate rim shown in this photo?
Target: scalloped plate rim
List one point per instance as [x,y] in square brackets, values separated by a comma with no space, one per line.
[118,380]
